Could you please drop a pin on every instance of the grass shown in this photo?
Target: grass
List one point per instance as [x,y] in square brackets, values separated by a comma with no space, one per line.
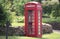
[18,18]
[17,24]
[52,36]
[45,36]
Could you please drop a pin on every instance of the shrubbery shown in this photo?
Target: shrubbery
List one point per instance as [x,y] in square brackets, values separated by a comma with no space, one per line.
[51,9]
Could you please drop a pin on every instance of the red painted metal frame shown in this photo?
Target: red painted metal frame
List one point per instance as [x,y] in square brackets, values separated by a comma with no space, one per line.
[36,18]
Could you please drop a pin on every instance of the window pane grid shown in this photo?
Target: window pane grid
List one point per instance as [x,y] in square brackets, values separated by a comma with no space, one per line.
[38,22]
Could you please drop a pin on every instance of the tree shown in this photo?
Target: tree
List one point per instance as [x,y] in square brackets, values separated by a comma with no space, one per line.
[5,13]
[3,16]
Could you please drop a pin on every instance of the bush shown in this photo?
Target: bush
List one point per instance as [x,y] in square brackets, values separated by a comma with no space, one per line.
[55,25]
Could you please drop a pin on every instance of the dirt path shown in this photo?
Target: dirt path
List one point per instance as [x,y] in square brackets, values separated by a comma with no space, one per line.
[57,31]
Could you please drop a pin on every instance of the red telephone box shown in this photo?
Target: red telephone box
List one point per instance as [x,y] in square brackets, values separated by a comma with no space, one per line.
[33,19]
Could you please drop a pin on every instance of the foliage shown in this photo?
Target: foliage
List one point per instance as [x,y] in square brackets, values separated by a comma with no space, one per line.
[21,12]
[2,15]
[5,13]
[18,6]
[47,9]
[56,13]
[51,8]
[9,7]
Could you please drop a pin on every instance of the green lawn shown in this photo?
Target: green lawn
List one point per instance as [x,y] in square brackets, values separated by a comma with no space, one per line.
[45,36]
[17,24]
